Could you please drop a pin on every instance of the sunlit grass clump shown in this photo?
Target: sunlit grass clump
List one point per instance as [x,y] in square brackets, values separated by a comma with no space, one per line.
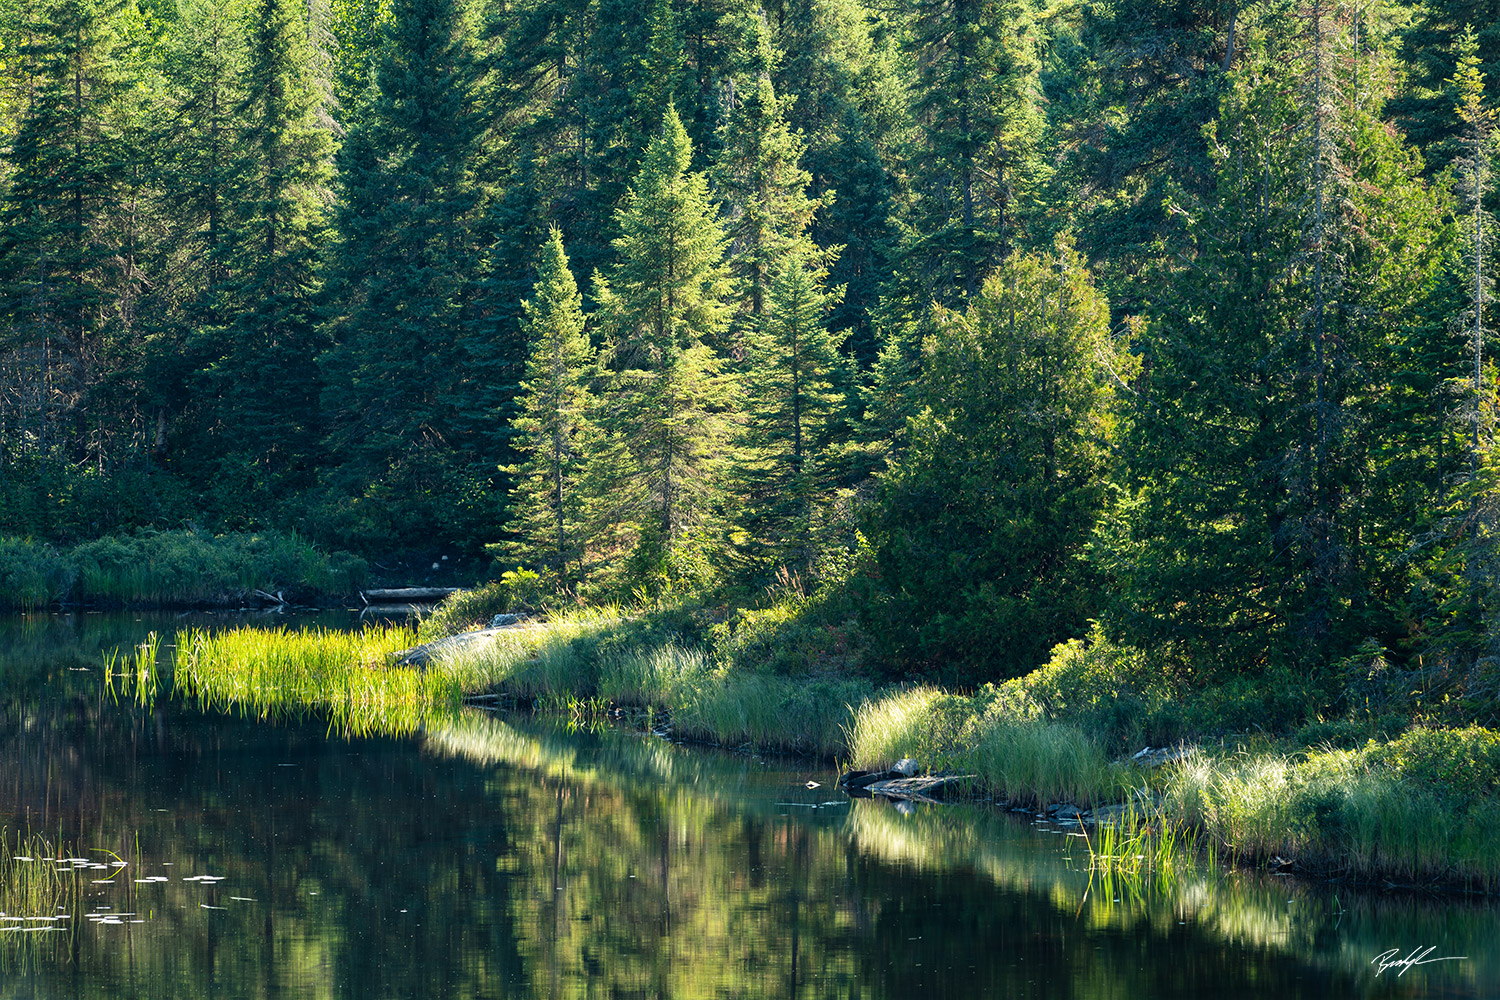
[1019,758]
[1345,812]
[272,672]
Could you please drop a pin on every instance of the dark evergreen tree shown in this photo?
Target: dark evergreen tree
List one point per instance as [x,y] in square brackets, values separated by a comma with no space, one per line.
[977,100]
[60,259]
[795,398]
[263,383]
[397,373]
[1295,401]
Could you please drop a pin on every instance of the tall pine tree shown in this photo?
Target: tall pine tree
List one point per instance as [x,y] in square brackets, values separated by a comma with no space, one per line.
[554,427]
[665,308]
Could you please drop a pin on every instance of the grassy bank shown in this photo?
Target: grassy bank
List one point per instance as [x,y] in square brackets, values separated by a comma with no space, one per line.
[170,568]
[1420,808]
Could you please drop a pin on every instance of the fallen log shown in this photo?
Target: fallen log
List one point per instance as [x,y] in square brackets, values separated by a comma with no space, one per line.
[401,595]
[928,788]
[462,643]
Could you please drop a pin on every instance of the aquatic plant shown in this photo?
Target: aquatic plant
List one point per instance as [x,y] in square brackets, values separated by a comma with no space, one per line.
[137,673]
[349,675]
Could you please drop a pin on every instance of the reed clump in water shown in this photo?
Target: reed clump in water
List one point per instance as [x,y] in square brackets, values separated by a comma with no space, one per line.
[1016,757]
[268,673]
[39,897]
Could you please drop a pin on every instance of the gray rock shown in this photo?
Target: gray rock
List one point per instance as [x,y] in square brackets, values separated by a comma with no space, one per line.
[1066,811]
[906,767]
[507,620]
[1149,757]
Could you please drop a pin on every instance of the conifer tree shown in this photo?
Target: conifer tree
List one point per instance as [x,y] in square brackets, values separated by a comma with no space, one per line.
[760,176]
[404,273]
[665,307]
[554,426]
[1282,426]
[59,253]
[795,395]
[266,417]
[977,102]
[1476,166]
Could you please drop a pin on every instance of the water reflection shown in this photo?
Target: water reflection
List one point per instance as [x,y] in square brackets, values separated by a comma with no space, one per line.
[490,857]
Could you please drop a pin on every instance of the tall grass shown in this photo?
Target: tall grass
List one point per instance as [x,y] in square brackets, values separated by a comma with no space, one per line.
[1340,812]
[1019,758]
[170,568]
[40,899]
[278,672]
[192,567]
[136,674]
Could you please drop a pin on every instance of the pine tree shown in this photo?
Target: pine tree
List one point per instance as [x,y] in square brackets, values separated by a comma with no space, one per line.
[1476,166]
[665,306]
[59,250]
[795,392]
[203,178]
[397,374]
[554,427]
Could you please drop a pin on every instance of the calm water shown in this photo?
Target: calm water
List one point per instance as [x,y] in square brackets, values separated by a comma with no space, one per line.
[505,857]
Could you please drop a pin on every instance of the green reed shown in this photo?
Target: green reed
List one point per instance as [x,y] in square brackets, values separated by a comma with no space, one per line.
[350,676]
[137,672]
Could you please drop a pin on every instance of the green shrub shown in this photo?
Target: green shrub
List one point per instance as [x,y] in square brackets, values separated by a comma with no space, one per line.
[192,567]
[32,574]
[1458,762]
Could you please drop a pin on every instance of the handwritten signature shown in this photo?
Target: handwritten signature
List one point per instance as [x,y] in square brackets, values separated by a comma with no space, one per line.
[1392,960]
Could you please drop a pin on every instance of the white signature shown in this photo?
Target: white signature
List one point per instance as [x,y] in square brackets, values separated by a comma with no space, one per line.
[1391,960]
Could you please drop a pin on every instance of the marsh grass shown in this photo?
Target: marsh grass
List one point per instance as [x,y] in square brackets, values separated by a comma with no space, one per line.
[137,673]
[35,891]
[170,568]
[269,673]
[1339,813]
[1019,758]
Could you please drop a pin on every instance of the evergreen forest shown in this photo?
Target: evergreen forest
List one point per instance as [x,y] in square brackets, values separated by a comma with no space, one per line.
[910,337]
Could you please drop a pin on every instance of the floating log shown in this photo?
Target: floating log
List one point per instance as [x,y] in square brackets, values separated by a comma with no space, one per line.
[402,595]
[925,789]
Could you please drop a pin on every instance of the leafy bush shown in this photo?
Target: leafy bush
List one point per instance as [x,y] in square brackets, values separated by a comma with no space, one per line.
[1460,762]
[32,574]
[189,567]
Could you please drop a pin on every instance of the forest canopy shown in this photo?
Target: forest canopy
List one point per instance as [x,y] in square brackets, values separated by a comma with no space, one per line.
[981,320]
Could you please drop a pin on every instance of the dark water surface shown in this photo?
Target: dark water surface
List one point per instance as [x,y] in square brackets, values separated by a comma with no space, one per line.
[506,857]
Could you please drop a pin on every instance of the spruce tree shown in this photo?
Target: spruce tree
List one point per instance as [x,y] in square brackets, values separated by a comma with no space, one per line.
[795,397]
[665,308]
[59,247]
[554,427]
[978,103]
[265,388]
[760,177]
[1295,401]
[397,374]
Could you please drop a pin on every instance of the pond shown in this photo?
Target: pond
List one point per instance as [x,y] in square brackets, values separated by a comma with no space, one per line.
[192,855]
